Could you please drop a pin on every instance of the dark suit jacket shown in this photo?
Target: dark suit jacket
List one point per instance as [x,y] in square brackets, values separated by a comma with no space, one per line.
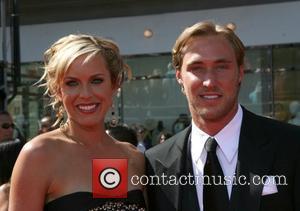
[266,147]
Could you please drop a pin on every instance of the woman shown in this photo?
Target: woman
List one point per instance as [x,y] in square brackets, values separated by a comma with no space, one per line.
[54,170]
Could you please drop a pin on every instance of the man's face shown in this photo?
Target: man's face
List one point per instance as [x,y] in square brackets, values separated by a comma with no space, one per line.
[211,79]
[6,128]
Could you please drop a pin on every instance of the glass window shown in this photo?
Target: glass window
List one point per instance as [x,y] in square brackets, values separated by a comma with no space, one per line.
[271,87]
[256,88]
[153,94]
[286,65]
[29,104]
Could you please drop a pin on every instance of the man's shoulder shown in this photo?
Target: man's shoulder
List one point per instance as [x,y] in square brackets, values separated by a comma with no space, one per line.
[162,147]
[270,123]
[273,130]
[167,146]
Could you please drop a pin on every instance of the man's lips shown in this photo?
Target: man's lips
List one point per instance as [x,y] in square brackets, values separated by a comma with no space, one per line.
[210,96]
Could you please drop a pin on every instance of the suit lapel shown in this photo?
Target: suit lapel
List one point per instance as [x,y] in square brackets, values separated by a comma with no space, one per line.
[171,167]
[178,162]
[188,193]
[255,158]
[168,172]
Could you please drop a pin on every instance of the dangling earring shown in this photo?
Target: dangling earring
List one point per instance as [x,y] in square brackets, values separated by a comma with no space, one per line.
[113,119]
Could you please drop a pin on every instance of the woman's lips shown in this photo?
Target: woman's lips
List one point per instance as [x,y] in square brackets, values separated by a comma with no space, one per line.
[88,108]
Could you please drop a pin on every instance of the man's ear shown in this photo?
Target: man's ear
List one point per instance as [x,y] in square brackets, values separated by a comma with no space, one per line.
[241,73]
[179,80]
[178,77]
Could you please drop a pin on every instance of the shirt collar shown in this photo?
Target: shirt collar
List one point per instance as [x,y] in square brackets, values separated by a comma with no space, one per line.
[198,138]
[227,138]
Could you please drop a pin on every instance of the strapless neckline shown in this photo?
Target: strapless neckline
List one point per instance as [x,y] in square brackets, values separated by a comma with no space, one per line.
[84,201]
[87,193]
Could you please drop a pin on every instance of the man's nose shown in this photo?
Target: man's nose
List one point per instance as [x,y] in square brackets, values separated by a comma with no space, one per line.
[209,80]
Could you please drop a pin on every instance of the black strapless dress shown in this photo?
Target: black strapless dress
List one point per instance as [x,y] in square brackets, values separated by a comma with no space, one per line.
[84,201]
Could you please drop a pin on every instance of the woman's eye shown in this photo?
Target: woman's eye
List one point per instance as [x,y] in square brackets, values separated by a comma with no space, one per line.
[71,83]
[97,81]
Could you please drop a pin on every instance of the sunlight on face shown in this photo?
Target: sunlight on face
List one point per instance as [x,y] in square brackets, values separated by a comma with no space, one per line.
[87,90]
[211,78]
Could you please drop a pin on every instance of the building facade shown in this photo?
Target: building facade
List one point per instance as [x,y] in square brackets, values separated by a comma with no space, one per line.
[270,32]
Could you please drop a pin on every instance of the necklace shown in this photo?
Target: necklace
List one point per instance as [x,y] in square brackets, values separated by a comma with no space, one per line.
[64,130]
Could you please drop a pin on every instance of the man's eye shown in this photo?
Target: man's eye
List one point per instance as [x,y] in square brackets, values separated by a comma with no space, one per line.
[198,69]
[222,67]
[97,81]
[71,83]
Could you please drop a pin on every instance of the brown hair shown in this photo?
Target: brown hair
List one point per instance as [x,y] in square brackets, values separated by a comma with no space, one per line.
[206,28]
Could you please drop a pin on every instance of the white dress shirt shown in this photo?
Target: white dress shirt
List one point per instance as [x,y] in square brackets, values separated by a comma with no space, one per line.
[228,141]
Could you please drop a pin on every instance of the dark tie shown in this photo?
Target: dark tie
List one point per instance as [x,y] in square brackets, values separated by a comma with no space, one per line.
[215,196]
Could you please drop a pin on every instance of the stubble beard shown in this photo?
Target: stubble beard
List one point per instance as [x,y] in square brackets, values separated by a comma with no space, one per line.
[213,113]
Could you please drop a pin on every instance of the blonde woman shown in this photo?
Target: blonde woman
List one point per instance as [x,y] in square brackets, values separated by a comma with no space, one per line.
[54,170]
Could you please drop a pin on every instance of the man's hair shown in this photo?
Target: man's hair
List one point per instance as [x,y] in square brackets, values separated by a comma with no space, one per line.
[206,28]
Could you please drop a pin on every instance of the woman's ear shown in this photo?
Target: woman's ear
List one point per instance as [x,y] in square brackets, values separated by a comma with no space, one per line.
[59,95]
[115,87]
[117,84]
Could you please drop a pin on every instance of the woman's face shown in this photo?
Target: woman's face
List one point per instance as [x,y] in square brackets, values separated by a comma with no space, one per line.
[87,91]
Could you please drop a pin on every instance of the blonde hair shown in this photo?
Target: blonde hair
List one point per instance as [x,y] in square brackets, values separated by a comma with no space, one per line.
[63,52]
[206,28]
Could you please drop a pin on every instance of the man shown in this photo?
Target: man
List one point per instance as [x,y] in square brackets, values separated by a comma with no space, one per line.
[46,125]
[6,126]
[246,151]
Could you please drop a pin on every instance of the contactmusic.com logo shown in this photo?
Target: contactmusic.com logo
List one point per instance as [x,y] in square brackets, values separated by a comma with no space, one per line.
[110,178]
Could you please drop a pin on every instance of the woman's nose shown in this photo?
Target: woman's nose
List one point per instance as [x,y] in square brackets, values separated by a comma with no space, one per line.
[85,91]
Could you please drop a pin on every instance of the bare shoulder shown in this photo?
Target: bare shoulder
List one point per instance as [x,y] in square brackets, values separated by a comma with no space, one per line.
[135,157]
[39,153]
[34,171]
[136,163]
[132,151]
[42,145]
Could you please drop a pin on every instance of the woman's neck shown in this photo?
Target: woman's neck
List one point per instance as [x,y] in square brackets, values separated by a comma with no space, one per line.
[89,136]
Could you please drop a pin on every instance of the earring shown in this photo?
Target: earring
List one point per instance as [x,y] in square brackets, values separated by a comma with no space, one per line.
[114,119]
